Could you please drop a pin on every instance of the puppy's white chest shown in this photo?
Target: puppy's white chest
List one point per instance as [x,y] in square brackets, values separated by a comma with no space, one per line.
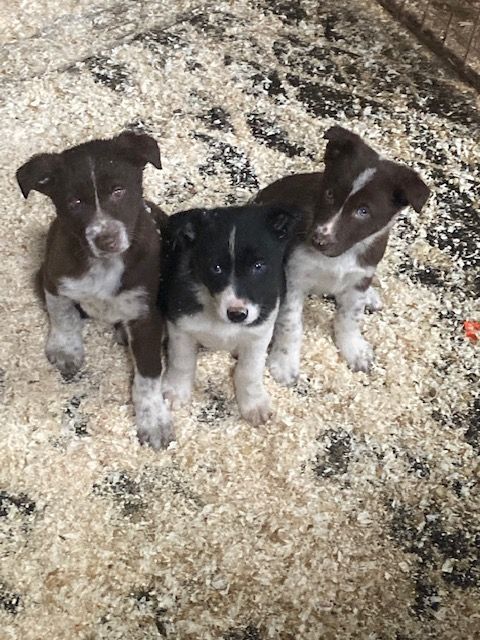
[221,336]
[97,293]
[311,271]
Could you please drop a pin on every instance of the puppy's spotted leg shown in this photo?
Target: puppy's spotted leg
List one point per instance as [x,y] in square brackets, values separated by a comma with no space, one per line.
[154,424]
[253,400]
[349,340]
[182,361]
[64,344]
[372,300]
[284,357]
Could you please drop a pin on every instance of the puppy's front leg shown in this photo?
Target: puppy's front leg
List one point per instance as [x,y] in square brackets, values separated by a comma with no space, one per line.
[64,347]
[284,357]
[154,424]
[182,361]
[350,309]
[253,400]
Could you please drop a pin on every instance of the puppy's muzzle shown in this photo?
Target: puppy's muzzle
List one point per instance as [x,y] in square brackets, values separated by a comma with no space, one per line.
[109,242]
[107,238]
[237,314]
[322,237]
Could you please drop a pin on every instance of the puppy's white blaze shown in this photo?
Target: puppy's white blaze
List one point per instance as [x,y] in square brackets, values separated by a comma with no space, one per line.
[94,182]
[101,220]
[361,180]
[231,246]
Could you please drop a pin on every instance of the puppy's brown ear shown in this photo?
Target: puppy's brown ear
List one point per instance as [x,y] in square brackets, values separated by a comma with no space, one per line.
[139,148]
[38,174]
[283,221]
[411,190]
[339,134]
[340,140]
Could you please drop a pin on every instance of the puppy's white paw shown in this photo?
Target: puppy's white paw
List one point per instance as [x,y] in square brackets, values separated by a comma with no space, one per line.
[156,433]
[154,423]
[358,353]
[177,392]
[373,301]
[258,411]
[284,368]
[67,358]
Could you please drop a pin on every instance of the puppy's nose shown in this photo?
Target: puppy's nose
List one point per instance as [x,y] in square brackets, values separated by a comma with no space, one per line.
[237,314]
[108,242]
[321,236]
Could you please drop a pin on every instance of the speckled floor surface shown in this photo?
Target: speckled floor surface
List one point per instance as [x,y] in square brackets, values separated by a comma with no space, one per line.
[355,513]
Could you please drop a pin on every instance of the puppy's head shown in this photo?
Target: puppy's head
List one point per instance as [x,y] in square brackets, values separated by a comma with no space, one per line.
[236,258]
[362,193]
[96,188]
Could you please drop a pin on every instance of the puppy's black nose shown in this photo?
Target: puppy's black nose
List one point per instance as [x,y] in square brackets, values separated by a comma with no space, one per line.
[237,314]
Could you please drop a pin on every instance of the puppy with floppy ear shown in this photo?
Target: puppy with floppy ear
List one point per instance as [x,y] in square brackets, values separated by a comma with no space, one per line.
[102,259]
[223,286]
[348,212]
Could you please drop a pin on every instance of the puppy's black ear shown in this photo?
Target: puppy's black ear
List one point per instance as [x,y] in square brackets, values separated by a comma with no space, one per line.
[38,174]
[411,189]
[283,221]
[183,226]
[139,148]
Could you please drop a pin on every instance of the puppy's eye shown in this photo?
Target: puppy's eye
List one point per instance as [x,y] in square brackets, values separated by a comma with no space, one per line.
[117,193]
[362,212]
[216,268]
[329,196]
[258,266]
[74,204]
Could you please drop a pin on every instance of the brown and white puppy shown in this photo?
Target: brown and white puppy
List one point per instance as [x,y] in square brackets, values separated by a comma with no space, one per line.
[103,257]
[348,210]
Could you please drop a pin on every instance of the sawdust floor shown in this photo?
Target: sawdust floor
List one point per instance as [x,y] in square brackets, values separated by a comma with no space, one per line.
[355,512]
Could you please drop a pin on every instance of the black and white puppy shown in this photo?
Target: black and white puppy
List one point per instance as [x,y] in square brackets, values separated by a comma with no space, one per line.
[102,257]
[223,286]
[348,212]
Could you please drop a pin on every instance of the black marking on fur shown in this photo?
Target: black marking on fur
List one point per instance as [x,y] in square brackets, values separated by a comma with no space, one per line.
[108,73]
[335,457]
[273,136]
[21,502]
[235,163]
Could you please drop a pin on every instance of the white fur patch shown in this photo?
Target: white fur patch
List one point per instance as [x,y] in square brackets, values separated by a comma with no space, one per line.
[154,424]
[96,291]
[227,299]
[64,347]
[361,180]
